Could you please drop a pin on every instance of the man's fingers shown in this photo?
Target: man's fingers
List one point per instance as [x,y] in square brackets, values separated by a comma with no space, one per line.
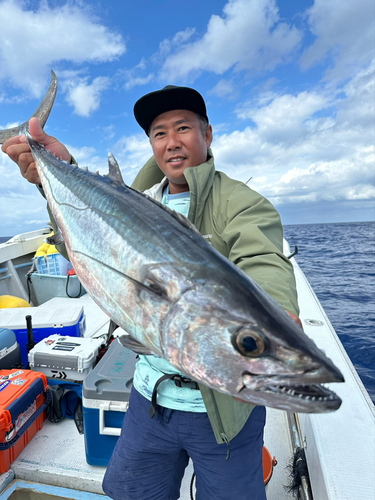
[14,151]
[12,142]
[50,143]
[38,133]
[295,319]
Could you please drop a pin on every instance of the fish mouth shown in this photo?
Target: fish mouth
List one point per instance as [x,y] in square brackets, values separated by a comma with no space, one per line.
[303,393]
[302,397]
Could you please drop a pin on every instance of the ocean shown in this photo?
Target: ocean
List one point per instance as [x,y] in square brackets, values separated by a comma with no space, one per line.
[339,262]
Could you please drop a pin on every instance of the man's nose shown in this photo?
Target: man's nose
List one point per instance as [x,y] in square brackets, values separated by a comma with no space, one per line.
[174,141]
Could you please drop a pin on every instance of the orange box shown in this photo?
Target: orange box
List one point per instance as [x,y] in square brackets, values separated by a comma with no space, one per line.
[24,397]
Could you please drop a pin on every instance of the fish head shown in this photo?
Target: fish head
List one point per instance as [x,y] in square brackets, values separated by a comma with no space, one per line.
[246,345]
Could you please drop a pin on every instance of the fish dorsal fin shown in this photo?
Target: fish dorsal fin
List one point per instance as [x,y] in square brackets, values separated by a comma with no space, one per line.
[181,218]
[114,172]
[131,343]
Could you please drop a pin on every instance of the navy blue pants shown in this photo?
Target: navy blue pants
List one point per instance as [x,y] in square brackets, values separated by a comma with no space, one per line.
[150,456]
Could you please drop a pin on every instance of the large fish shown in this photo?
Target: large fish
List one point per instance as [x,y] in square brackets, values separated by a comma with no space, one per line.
[179,298]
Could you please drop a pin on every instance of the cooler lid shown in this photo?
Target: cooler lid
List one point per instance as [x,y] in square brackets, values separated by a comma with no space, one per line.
[8,341]
[112,377]
[54,317]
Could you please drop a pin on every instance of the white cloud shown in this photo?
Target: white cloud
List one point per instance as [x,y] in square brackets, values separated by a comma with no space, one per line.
[16,194]
[283,118]
[32,42]
[225,88]
[344,30]
[85,98]
[166,46]
[296,153]
[133,76]
[249,35]
[132,152]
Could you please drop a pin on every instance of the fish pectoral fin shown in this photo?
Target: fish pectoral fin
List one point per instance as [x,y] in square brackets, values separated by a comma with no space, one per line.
[154,288]
[131,343]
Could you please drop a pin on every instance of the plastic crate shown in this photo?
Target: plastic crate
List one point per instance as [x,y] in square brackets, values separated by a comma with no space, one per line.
[53,264]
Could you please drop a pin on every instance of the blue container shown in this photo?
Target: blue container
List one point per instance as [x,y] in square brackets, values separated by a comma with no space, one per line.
[45,322]
[106,391]
[10,354]
[53,264]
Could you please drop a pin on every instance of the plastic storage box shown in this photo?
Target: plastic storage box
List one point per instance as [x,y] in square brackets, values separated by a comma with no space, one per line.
[106,391]
[45,322]
[47,287]
[53,263]
[24,398]
[10,354]
[62,357]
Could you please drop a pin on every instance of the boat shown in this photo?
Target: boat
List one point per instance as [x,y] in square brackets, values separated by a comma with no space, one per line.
[339,447]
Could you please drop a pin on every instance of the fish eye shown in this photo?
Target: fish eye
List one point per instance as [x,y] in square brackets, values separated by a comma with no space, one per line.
[248,342]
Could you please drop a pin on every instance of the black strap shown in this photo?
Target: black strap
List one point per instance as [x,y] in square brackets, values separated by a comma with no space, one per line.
[179,381]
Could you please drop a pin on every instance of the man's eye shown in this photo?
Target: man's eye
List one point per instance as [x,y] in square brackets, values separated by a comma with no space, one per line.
[159,134]
[183,127]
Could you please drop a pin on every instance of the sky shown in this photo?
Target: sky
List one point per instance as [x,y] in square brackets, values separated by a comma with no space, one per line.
[289,88]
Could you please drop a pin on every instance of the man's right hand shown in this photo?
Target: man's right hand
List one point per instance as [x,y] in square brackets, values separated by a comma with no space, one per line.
[18,150]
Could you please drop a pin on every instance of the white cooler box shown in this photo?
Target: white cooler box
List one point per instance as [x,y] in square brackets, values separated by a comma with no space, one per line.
[65,358]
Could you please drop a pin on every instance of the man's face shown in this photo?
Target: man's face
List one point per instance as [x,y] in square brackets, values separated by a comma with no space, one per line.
[178,143]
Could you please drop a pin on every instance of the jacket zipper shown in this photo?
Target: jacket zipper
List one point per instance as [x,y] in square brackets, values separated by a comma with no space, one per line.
[196,195]
[223,436]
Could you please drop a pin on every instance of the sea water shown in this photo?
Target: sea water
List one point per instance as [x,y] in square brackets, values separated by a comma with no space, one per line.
[339,262]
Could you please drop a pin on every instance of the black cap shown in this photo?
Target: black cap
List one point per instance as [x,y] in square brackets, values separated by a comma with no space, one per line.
[171,97]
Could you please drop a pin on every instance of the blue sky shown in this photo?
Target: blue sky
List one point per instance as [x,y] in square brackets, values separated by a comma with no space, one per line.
[289,88]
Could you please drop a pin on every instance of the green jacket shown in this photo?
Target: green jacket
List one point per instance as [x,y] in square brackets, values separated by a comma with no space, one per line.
[244,226]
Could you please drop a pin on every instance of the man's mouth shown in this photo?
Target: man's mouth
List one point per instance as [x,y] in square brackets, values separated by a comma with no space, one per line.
[176,159]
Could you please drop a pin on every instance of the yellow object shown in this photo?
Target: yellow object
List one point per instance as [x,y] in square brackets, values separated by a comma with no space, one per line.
[8,301]
[52,249]
[38,253]
[43,248]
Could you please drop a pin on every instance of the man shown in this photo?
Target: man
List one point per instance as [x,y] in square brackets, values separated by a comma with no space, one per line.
[222,436]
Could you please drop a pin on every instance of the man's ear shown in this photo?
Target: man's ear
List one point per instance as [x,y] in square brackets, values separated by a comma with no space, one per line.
[209,136]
